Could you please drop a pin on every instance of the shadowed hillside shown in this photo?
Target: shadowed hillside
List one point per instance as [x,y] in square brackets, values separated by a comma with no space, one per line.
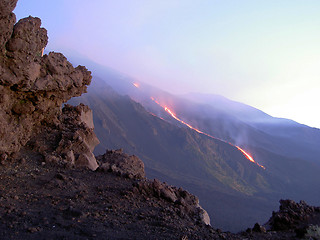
[235,191]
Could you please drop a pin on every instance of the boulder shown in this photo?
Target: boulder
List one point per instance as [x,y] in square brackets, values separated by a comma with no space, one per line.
[292,215]
[121,163]
[186,203]
[27,40]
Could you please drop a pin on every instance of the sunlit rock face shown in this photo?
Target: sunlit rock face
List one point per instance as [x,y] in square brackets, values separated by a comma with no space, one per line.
[33,88]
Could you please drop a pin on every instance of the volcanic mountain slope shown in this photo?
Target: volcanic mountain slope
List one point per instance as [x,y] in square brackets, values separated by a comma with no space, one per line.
[225,119]
[119,120]
[235,191]
[237,123]
[48,189]
[286,148]
[289,138]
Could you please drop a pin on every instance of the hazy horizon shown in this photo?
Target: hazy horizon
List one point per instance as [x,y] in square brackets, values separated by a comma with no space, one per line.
[262,53]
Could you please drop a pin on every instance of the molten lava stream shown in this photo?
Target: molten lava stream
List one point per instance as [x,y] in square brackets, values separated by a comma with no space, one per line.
[249,157]
[197,130]
[137,85]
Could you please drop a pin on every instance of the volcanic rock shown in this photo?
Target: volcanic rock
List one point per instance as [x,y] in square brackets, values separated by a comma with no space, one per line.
[258,228]
[7,6]
[27,41]
[189,204]
[121,163]
[292,215]
[32,90]
[71,141]
[7,21]
[292,221]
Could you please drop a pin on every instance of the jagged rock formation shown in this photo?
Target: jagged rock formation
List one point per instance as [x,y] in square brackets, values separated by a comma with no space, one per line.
[7,20]
[187,203]
[292,221]
[71,142]
[32,90]
[294,216]
[132,167]
[121,163]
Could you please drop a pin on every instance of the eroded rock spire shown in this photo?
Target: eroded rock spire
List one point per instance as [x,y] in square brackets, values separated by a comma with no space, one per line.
[32,90]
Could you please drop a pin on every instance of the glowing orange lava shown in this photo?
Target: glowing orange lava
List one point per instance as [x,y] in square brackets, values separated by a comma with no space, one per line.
[137,85]
[249,157]
[172,114]
[176,118]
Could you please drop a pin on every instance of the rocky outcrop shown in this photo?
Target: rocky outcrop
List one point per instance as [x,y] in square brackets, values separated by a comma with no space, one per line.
[71,141]
[32,90]
[292,215]
[7,21]
[292,221]
[132,167]
[187,203]
[121,163]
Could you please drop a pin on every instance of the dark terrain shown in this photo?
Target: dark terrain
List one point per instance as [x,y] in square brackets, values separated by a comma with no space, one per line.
[49,202]
[44,201]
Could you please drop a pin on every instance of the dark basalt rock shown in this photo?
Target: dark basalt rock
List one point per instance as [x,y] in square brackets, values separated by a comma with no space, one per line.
[292,221]
[292,215]
[188,203]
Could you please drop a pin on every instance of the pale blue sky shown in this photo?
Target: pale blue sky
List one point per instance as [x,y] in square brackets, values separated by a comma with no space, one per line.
[262,53]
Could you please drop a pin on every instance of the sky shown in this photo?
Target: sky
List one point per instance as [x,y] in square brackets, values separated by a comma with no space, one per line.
[264,53]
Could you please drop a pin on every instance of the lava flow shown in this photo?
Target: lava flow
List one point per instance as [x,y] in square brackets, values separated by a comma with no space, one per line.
[249,157]
[137,85]
[197,130]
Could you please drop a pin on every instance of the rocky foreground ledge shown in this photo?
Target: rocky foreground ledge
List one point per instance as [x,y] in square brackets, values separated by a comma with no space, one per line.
[48,201]
[40,200]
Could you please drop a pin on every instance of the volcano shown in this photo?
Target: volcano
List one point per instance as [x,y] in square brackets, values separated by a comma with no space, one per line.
[236,192]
